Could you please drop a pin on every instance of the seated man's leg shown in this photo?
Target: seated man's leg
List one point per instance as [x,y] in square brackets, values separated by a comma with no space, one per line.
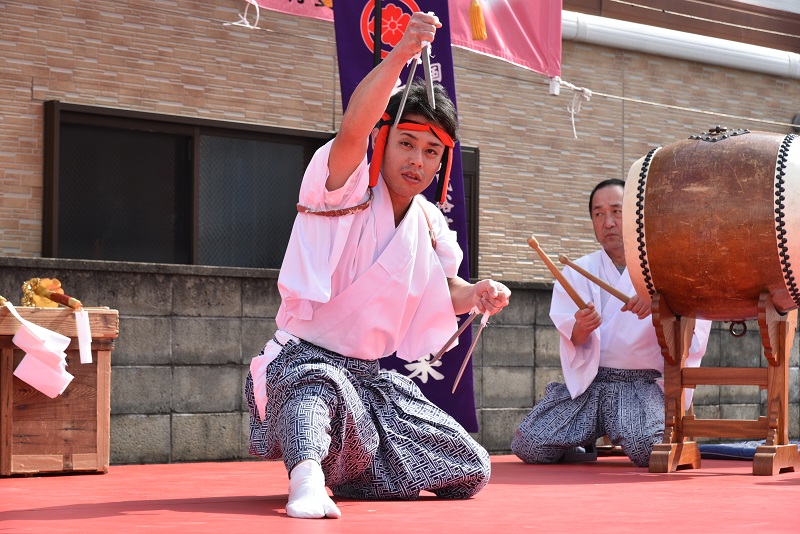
[421,446]
[633,415]
[556,423]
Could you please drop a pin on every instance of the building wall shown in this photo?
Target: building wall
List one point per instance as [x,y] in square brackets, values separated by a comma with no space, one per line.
[187,333]
[178,58]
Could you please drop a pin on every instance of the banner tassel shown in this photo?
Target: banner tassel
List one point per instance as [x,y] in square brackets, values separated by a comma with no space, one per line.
[476,21]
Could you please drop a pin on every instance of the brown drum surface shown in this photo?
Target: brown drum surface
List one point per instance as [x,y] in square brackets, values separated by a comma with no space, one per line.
[709,223]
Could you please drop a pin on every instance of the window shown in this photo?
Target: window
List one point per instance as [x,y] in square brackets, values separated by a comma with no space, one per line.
[470,165]
[140,187]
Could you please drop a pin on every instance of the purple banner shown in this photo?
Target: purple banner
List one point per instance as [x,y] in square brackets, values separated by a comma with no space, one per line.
[354,21]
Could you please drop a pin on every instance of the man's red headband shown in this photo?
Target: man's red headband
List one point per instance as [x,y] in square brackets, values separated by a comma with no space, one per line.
[380,147]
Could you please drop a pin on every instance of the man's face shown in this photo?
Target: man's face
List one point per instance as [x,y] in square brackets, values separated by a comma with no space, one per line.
[411,160]
[607,218]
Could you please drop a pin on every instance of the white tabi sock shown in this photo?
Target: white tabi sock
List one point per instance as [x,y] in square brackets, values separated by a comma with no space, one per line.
[307,495]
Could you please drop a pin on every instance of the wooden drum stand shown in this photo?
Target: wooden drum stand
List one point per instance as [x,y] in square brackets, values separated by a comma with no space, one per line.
[676,451]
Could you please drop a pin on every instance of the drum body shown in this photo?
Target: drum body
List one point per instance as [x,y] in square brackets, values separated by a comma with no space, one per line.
[712,222]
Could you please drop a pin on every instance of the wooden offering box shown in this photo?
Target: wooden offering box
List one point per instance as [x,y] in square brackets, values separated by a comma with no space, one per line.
[67,434]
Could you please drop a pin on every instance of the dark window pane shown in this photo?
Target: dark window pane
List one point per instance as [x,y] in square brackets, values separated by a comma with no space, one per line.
[248,198]
[123,195]
[469,164]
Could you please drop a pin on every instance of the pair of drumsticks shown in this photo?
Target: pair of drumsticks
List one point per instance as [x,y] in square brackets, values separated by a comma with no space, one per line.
[566,285]
[560,277]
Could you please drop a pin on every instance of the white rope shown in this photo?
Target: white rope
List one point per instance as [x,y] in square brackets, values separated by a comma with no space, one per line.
[578,96]
[243,17]
[582,93]
[695,110]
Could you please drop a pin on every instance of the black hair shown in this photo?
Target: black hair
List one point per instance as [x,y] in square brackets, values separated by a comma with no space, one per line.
[601,185]
[444,115]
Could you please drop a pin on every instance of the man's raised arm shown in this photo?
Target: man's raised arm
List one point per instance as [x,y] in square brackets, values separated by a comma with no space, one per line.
[369,100]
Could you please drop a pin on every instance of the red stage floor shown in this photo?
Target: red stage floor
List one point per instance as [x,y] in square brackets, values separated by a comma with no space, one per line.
[610,495]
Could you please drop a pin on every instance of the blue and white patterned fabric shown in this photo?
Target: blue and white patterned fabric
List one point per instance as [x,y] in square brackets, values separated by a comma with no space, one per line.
[372,431]
[626,405]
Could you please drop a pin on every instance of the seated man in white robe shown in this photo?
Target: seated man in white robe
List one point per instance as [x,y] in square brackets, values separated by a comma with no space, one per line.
[610,356]
[370,270]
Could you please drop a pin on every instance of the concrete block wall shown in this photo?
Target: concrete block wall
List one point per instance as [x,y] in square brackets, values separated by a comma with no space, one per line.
[187,335]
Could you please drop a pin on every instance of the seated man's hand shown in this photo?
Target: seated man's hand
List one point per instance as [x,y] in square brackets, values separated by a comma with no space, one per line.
[586,321]
[638,306]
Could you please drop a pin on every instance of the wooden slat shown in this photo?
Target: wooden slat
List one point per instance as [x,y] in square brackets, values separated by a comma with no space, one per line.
[590,7]
[723,19]
[88,462]
[724,376]
[103,359]
[97,344]
[712,12]
[65,436]
[103,322]
[6,403]
[36,463]
[725,428]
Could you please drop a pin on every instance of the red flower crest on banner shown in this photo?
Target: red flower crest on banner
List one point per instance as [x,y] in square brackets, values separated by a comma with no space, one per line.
[394,19]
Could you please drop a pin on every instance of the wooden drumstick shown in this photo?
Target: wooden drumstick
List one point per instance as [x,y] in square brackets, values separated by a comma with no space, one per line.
[603,285]
[560,277]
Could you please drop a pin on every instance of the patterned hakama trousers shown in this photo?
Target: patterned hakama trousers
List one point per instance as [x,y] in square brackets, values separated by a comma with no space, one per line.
[625,405]
[372,431]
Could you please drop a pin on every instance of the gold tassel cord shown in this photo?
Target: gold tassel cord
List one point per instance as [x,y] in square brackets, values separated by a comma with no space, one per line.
[476,21]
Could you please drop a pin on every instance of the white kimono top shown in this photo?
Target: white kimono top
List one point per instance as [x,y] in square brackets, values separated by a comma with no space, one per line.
[356,284]
[623,341]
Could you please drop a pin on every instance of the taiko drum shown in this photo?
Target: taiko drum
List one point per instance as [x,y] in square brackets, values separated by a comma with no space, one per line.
[711,223]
